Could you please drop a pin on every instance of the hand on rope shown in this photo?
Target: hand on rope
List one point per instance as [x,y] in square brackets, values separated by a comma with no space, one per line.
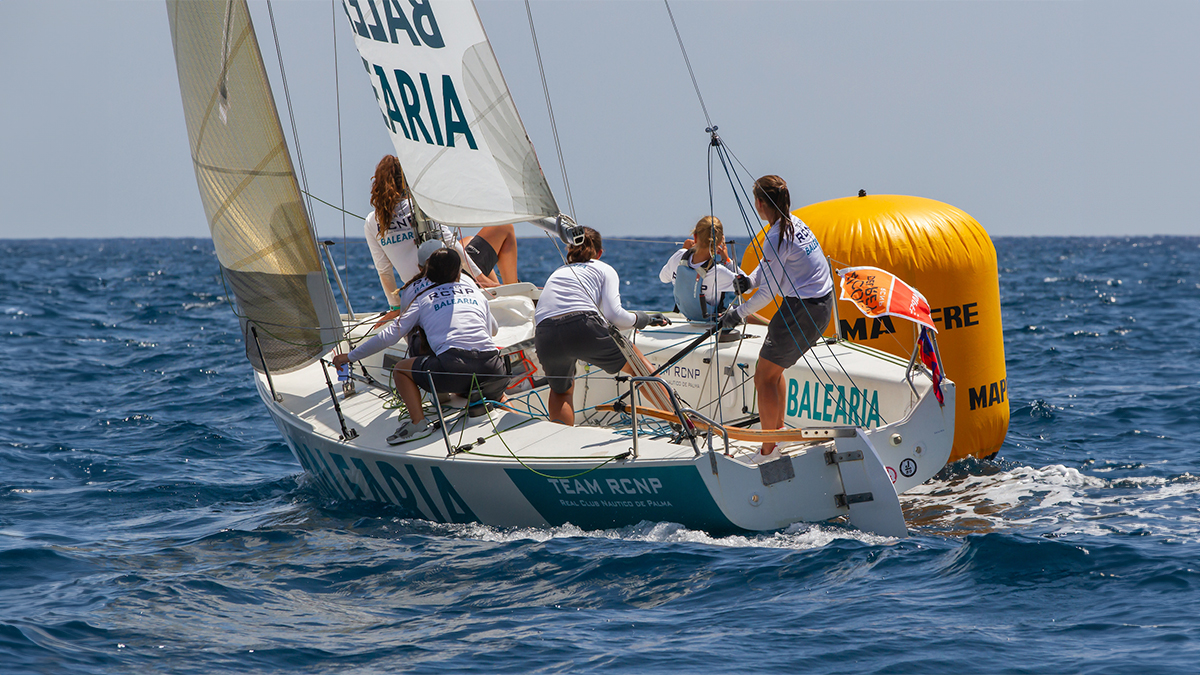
[741,284]
[730,319]
[387,317]
[650,319]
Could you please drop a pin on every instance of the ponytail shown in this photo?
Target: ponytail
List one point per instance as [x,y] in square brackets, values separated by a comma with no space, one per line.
[588,250]
[773,191]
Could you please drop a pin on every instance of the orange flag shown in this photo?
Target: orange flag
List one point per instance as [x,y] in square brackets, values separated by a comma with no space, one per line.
[879,293]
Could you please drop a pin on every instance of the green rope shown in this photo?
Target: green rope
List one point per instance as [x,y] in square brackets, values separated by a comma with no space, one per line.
[332,206]
[496,433]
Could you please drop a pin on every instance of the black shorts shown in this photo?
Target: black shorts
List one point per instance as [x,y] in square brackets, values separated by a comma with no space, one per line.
[482,254]
[795,328]
[455,371]
[579,336]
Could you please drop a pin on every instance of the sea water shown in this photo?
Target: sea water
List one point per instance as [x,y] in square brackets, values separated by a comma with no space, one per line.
[152,519]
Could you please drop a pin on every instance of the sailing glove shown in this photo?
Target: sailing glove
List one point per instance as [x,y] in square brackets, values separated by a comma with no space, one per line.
[741,283]
[650,319]
[730,318]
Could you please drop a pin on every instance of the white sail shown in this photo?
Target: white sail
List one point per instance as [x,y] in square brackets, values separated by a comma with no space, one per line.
[450,115]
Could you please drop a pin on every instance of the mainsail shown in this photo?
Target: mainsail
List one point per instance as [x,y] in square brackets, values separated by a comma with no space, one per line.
[450,115]
[259,227]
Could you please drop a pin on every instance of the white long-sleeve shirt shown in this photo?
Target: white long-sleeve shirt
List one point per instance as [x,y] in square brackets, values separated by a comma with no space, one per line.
[591,286]
[454,315]
[797,268]
[396,250]
[718,280]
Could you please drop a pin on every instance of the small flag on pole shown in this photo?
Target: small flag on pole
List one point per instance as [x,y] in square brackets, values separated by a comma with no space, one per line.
[929,358]
[879,293]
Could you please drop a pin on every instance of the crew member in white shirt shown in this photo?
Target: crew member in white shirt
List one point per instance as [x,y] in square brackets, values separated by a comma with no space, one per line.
[702,273]
[459,327]
[392,240]
[570,322]
[792,266]
[408,292]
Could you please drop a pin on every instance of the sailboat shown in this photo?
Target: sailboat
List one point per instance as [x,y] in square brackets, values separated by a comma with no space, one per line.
[864,426]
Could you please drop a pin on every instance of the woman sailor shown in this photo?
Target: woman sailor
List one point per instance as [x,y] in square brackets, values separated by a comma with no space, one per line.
[794,267]
[577,300]
[702,272]
[390,236]
[459,327]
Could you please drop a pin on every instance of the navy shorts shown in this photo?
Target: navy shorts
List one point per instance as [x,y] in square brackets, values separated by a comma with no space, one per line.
[579,336]
[795,328]
[455,371]
[482,254]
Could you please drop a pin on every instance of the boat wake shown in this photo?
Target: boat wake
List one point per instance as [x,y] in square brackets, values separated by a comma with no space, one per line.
[799,536]
[978,497]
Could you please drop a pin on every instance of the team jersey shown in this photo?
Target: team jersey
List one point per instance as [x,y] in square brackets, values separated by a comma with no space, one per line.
[397,250]
[411,291]
[590,286]
[454,315]
[797,268]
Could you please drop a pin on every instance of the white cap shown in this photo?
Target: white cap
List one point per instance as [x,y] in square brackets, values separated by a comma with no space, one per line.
[426,249]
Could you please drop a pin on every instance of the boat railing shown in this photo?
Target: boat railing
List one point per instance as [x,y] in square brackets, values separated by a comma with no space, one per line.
[682,412]
[333,267]
[712,424]
[915,364]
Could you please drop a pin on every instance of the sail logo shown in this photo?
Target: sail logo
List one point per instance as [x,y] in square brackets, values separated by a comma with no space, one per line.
[823,402]
[389,27]
[415,111]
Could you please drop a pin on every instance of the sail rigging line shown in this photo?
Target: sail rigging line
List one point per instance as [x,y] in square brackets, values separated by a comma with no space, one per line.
[287,97]
[724,152]
[646,241]
[562,165]
[335,207]
[686,61]
[337,97]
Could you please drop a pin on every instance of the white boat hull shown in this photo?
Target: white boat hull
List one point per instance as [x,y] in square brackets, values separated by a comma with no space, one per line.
[531,472]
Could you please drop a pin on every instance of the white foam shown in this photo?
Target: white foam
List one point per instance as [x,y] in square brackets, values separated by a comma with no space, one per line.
[800,536]
[1060,499]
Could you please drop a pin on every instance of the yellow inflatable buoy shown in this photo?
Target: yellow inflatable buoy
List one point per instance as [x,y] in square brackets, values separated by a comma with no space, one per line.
[947,256]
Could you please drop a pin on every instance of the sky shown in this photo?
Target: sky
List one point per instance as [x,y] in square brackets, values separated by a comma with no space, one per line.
[1037,118]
